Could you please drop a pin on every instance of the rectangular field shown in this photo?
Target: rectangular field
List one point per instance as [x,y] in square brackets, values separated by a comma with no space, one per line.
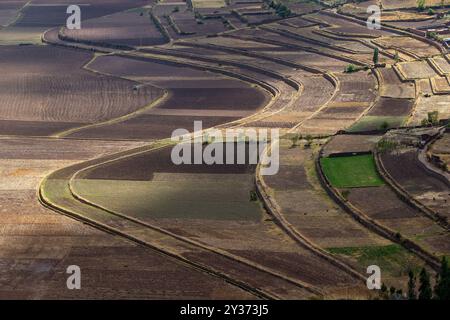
[351,171]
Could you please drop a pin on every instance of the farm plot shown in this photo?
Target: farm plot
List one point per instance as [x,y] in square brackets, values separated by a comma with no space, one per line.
[313,33]
[442,63]
[412,45]
[309,59]
[38,244]
[383,205]
[350,143]
[193,95]
[35,90]
[45,13]
[187,24]
[441,148]
[397,4]
[405,169]
[133,28]
[416,69]
[307,207]
[356,92]
[386,113]
[9,11]
[240,227]
[393,87]
[238,43]
[317,90]
[208,3]
[440,103]
[343,26]
[351,171]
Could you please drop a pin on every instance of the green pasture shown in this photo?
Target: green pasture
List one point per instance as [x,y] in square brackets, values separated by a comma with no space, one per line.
[351,171]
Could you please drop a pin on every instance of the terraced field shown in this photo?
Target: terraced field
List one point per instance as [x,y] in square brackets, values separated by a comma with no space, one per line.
[85,117]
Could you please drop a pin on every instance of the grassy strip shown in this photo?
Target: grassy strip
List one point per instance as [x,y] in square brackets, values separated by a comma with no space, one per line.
[369,123]
[351,171]
[391,258]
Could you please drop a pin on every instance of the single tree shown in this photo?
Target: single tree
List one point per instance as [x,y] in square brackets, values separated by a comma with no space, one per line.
[442,288]
[425,292]
[412,286]
[375,56]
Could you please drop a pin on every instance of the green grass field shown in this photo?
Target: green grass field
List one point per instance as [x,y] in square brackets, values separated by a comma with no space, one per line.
[351,171]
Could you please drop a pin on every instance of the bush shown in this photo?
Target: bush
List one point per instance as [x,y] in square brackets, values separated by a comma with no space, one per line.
[350,68]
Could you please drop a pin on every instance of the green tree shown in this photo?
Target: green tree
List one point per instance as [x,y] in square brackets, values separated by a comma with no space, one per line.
[425,292]
[433,117]
[412,286]
[350,68]
[442,288]
[375,56]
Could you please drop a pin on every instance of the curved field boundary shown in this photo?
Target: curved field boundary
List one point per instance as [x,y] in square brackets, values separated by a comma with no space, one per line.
[140,223]
[372,224]
[294,281]
[114,231]
[296,47]
[250,67]
[125,117]
[393,29]
[292,35]
[224,253]
[251,54]
[173,61]
[399,49]
[425,164]
[275,211]
[406,197]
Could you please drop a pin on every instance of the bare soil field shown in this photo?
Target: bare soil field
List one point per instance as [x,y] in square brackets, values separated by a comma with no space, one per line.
[35,91]
[442,63]
[441,148]
[417,69]
[417,47]
[392,107]
[150,127]
[347,27]
[350,143]
[404,167]
[133,27]
[9,11]
[393,87]
[48,13]
[424,105]
[383,205]
[193,95]
[356,92]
